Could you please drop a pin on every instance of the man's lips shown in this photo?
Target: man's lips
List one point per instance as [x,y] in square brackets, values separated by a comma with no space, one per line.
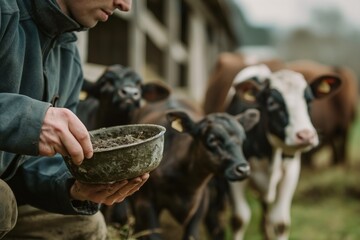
[107,12]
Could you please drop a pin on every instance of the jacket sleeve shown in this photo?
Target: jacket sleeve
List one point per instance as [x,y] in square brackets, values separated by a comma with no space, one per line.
[21,117]
[44,182]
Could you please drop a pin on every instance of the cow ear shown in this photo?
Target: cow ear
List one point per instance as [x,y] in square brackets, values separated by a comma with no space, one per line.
[116,68]
[87,89]
[180,121]
[247,90]
[325,85]
[103,84]
[249,118]
[106,88]
[153,92]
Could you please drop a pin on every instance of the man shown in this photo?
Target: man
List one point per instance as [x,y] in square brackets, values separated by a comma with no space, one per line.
[40,80]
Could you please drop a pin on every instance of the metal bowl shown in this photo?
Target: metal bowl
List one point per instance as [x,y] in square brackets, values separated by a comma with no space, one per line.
[120,152]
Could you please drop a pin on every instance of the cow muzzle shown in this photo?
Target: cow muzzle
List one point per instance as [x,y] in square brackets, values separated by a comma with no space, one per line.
[237,172]
[306,137]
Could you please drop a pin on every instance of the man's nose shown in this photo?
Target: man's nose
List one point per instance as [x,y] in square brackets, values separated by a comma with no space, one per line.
[123,5]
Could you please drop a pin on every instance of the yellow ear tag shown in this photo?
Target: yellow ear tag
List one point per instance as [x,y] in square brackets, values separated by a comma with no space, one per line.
[83,95]
[248,96]
[176,124]
[324,87]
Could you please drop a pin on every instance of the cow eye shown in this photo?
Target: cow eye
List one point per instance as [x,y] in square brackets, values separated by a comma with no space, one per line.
[212,140]
[107,88]
[272,105]
[308,95]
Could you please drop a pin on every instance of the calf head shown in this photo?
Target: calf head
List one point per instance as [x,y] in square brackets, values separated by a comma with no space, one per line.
[123,89]
[284,99]
[218,138]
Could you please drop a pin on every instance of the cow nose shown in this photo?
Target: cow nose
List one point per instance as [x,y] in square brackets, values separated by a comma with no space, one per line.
[243,169]
[129,92]
[305,136]
[238,172]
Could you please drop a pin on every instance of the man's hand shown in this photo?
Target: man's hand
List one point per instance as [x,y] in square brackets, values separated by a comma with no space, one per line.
[63,132]
[107,193]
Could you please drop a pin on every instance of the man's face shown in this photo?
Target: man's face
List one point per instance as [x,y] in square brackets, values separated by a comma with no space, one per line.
[89,12]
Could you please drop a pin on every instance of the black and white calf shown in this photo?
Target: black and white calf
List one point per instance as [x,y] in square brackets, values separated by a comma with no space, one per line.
[274,146]
[115,97]
[197,147]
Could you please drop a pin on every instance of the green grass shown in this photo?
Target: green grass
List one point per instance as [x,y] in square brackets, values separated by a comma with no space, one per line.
[326,205]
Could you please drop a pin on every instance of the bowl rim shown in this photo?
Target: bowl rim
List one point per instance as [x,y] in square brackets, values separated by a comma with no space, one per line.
[161,132]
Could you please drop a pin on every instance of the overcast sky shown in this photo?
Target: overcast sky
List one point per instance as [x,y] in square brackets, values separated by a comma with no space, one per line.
[285,13]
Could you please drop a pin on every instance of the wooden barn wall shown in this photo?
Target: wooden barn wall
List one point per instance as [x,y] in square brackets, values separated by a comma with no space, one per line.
[173,41]
[108,42]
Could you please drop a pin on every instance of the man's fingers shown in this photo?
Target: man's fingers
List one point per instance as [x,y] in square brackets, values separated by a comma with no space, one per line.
[111,189]
[126,191]
[63,132]
[81,134]
[136,188]
[108,193]
[120,190]
[74,149]
[145,177]
[60,149]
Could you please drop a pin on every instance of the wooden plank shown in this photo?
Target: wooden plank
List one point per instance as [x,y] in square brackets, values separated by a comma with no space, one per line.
[197,59]
[172,21]
[137,38]
[200,8]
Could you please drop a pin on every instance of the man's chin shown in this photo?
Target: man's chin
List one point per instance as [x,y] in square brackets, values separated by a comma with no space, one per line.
[88,24]
[91,25]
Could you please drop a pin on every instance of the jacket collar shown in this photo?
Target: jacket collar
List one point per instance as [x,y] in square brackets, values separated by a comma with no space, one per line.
[51,20]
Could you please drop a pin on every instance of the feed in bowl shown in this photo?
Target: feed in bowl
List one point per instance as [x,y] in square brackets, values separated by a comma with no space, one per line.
[121,152]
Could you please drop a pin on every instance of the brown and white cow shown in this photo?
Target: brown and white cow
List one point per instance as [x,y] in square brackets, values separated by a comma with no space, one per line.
[197,147]
[274,146]
[339,111]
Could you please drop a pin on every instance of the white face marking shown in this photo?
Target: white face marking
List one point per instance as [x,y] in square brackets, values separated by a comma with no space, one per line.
[260,71]
[300,131]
